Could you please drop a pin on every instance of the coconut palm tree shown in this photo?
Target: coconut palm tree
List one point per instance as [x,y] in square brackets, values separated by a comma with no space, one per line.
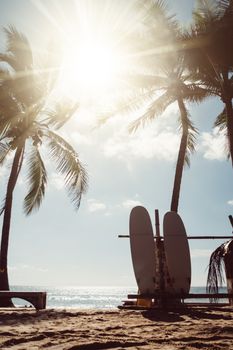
[166,81]
[176,89]
[209,54]
[27,124]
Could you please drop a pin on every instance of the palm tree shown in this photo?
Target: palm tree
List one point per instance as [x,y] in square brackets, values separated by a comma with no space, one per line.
[173,84]
[209,54]
[176,88]
[26,123]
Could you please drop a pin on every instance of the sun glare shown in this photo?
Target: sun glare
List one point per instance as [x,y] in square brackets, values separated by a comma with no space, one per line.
[89,68]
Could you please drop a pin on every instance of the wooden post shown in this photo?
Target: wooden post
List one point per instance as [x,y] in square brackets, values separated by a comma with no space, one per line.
[157,226]
[228,262]
[160,255]
[231,220]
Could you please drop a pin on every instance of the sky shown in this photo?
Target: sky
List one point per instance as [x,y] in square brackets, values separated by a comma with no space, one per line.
[60,246]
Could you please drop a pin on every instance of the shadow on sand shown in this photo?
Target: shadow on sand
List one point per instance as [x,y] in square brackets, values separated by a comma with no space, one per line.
[178,314]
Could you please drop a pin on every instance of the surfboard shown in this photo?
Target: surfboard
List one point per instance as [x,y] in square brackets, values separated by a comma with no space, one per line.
[177,253]
[142,249]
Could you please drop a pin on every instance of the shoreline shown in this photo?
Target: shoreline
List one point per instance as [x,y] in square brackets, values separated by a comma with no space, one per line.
[78,329]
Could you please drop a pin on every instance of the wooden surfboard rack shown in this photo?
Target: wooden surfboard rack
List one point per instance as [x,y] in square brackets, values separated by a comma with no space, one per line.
[164,301]
[189,237]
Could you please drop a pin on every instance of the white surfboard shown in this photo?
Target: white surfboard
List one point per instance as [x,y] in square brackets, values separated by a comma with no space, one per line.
[142,249]
[177,253]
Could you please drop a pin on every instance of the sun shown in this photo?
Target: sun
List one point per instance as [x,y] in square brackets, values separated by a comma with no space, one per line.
[89,67]
[93,41]
[96,58]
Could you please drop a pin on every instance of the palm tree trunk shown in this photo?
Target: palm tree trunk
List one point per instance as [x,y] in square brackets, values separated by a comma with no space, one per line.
[228,262]
[229,111]
[4,283]
[227,99]
[181,157]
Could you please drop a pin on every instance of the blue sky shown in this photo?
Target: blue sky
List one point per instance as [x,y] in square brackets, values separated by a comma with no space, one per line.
[58,246]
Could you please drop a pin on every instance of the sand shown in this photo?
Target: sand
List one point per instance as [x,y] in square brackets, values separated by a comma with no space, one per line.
[196,328]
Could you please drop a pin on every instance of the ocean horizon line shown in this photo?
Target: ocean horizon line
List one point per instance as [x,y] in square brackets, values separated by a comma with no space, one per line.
[90,286]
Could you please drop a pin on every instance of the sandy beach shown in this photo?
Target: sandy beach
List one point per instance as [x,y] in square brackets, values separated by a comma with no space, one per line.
[188,329]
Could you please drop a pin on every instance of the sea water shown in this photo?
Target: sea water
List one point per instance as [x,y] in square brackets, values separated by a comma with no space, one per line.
[90,297]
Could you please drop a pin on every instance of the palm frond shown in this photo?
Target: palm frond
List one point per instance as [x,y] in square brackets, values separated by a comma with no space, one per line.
[155,109]
[9,59]
[18,49]
[9,106]
[129,104]
[60,114]
[194,93]
[216,271]
[191,142]
[22,87]
[159,19]
[206,12]
[10,127]
[212,87]
[225,8]
[146,81]
[68,164]
[188,130]
[22,81]
[37,179]
[221,124]
[4,151]
[221,121]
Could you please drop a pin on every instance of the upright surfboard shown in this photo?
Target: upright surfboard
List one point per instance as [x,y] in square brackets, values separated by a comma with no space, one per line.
[177,253]
[142,249]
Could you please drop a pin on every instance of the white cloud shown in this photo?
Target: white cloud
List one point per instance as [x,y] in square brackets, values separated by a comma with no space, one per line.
[200,253]
[130,203]
[80,139]
[213,145]
[146,143]
[95,205]
[159,139]
[230,202]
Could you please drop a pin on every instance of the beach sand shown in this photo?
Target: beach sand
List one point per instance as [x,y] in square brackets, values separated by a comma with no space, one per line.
[189,329]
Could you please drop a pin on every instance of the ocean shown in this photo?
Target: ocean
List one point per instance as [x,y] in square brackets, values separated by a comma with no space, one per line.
[89,297]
